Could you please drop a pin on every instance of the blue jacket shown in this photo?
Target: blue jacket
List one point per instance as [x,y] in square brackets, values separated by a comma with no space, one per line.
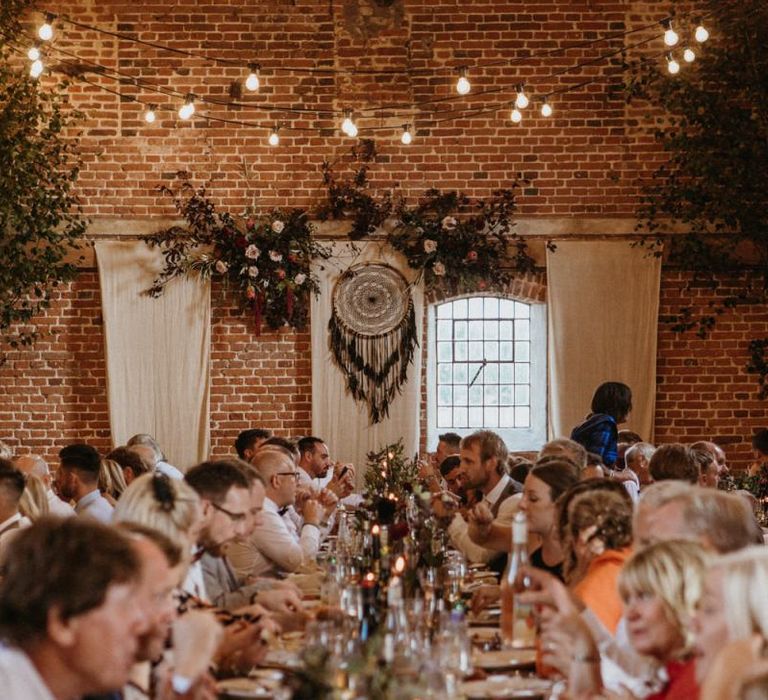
[599,434]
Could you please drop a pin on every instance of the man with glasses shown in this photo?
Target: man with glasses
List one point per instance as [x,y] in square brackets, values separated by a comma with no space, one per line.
[275,546]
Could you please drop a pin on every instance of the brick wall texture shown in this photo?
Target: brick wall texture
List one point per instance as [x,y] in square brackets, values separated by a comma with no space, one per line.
[587,161]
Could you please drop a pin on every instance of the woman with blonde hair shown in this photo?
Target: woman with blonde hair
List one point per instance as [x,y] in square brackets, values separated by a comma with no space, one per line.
[111,480]
[34,499]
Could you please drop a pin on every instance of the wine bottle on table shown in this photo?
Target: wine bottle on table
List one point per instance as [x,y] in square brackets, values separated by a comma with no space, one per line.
[518,625]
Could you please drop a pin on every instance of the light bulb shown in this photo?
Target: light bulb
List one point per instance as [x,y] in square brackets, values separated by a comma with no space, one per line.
[670,35]
[407,136]
[188,108]
[701,34]
[521,101]
[462,84]
[672,65]
[33,54]
[46,28]
[274,138]
[149,115]
[546,109]
[516,116]
[352,132]
[689,56]
[347,125]
[252,81]
[36,69]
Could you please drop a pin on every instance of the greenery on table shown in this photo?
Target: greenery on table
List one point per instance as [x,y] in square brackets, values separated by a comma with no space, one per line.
[40,217]
[713,124]
[390,474]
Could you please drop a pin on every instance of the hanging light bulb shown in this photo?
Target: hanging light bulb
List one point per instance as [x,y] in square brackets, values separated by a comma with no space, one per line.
[252,81]
[34,53]
[516,115]
[274,137]
[462,84]
[36,69]
[689,56]
[188,108]
[347,124]
[352,133]
[407,136]
[670,35]
[149,115]
[46,28]
[521,101]
[672,65]
[546,109]
[701,34]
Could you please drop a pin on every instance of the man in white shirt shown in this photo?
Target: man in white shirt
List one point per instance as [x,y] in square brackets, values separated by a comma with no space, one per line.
[11,521]
[77,479]
[68,611]
[483,459]
[149,449]
[32,464]
[275,546]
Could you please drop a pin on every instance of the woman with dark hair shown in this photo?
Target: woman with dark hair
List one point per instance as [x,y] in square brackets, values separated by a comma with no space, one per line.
[599,433]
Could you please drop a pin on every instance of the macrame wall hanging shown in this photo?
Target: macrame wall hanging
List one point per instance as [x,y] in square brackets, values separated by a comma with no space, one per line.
[373,334]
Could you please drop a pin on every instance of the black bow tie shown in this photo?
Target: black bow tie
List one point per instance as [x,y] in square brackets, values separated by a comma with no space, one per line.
[282,511]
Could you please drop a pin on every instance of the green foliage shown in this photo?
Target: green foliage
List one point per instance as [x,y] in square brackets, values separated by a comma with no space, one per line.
[715,132]
[40,217]
[390,472]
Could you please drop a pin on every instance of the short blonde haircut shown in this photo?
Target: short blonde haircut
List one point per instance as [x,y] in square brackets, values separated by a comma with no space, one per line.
[170,506]
[34,499]
[111,479]
[674,572]
[745,582]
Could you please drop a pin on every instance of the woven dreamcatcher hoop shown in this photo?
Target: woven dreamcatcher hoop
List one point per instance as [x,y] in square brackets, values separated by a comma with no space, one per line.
[373,334]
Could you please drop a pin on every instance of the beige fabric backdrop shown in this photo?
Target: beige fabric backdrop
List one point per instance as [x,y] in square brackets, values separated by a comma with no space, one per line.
[603,315]
[336,417]
[158,352]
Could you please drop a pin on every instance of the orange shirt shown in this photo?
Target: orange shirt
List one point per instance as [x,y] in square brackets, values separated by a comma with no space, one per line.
[598,590]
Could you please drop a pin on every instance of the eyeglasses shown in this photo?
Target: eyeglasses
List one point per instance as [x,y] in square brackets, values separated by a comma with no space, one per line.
[234,517]
[295,475]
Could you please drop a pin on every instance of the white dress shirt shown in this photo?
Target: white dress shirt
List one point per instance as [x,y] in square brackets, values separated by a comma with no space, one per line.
[19,679]
[94,505]
[275,546]
[169,470]
[9,529]
[58,507]
[458,530]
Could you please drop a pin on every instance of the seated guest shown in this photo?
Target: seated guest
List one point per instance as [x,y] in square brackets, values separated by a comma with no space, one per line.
[731,622]
[595,468]
[148,448]
[563,448]
[12,522]
[68,611]
[31,464]
[717,452]
[759,451]
[248,441]
[628,437]
[448,444]
[599,433]
[275,546]
[131,462]
[453,476]
[635,476]
[709,472]
[33,503]
[77,479]
[111,480]
[518,467]
[673,461]
[316,470]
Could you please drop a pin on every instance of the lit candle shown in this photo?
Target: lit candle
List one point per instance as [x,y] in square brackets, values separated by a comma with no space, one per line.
[376,541]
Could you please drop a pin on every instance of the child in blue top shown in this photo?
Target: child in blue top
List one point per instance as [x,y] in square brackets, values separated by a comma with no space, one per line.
[599,432]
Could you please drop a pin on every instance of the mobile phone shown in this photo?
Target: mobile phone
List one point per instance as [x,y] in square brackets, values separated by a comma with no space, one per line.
[343,471]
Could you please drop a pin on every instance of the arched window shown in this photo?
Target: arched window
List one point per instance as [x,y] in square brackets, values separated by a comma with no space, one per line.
[487,363]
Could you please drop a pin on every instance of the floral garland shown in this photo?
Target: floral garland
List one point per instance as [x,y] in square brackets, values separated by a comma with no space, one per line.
[266,258]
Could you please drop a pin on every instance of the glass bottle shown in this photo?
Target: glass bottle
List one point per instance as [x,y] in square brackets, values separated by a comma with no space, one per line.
[518,625]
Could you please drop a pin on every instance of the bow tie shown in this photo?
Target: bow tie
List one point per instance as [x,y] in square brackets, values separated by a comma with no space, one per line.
[282,511]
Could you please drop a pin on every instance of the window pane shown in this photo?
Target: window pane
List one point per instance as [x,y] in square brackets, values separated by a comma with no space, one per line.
[460,308]
[459,417]
[460,350]
[444,373]
[506,417]
[476,307]
[475,395]
[505,330]
[522,417]
[491,351]
[505,351]
[444,329]
[460,330]
[522,351]
[505,395]
[475,330]
[522,310]
[522,396]
[491,373]
[444,418]
[445,396]
[491,418]
[522,373]
[444,353]
[506,374]
[476,417]
[522,330]
[506,309]
[491,396]
[472,375]
[459,396]
[444,310]
[491,307]
[460,374]
[476,350]
[491,330]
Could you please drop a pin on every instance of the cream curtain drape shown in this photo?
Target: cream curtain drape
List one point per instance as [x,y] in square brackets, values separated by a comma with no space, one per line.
[336,417]
[603,316]
[158,352]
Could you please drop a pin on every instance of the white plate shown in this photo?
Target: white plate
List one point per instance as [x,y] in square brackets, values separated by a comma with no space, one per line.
[504,658]
[242,688]
[499,687]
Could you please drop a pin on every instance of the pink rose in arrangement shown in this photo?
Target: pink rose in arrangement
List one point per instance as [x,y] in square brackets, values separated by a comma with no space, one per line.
[439,269]
[250,292]
[275,256]
[280,274]
[299,279]
[430,246]
[472,255]
[278,226]
[252,252]
[449,223]
[221,267]
[253,271]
